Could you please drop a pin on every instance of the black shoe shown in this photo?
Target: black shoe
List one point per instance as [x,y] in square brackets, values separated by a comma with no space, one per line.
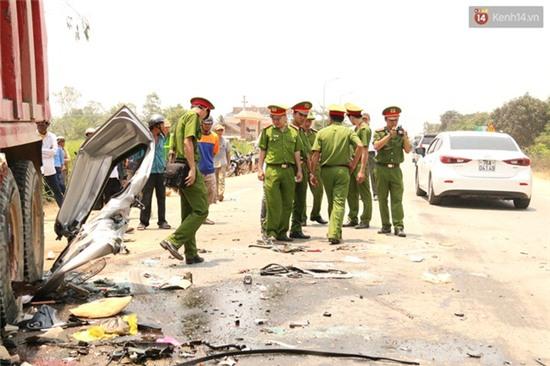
[334,241]
[194,260]
[384,230]
[319,220]
[165,244]
[284,238]
[299,235]
[165,226]
[400,232]
[350,224]
[363,225]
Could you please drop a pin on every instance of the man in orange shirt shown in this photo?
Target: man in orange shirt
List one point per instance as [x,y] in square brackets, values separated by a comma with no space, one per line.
[208,148]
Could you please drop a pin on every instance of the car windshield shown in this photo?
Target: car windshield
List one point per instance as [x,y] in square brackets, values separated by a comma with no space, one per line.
[426,140]
[482,143]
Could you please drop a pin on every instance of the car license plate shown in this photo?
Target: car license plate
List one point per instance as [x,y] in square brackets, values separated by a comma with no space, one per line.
[487,165]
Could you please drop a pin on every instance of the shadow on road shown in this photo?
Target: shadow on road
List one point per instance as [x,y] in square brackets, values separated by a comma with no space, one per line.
[480,204]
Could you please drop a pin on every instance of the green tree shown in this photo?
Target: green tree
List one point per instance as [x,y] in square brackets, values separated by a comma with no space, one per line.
[448,119]
[151,106]
[173,113]
[524,118]
[431,127]
[67,98]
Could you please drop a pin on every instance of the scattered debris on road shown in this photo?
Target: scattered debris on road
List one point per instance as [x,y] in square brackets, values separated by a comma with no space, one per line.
[436,278]
[275,269]
[102,308]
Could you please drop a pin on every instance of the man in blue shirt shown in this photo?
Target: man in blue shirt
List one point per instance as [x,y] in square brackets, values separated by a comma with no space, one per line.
[59,162]
[156,178]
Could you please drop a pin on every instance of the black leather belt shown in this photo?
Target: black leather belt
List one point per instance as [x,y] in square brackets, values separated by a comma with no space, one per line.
[388,165]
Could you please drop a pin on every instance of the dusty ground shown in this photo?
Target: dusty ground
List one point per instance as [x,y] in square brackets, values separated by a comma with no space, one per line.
[495,306]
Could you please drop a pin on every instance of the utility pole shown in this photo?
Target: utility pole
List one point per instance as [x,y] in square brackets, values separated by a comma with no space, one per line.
[244,101]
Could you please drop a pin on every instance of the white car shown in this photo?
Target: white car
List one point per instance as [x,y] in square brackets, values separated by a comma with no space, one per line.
[467,163]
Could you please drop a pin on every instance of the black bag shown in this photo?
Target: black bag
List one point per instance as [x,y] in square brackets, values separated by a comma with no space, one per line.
[175,174]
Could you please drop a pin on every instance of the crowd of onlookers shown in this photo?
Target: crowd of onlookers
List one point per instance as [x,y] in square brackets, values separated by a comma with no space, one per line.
[215,156]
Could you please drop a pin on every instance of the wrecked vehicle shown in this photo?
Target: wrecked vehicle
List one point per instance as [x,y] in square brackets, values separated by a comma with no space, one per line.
[120,137]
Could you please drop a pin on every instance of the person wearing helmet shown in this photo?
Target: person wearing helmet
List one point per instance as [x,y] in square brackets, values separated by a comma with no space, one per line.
[156,178]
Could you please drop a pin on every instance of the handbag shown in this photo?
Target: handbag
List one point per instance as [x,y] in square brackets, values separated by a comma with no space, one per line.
[175,174]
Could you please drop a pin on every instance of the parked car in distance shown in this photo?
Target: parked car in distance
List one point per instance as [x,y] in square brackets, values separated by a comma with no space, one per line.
[468,163]
[424,141]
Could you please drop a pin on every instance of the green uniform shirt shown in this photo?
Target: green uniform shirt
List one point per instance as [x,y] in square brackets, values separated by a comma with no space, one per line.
[189,125]
[334,143]
[304,141]
[311,135]
[392,152]
[364,132]
[280,145]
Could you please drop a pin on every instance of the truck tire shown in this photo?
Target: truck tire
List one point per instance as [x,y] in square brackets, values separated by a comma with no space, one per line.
[11,237]
[30,189]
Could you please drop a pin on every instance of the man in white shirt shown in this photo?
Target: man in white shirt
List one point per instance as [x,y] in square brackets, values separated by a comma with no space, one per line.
[49,147]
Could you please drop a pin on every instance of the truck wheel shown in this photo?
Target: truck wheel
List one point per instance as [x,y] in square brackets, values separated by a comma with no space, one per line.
[30,188]
[11,243]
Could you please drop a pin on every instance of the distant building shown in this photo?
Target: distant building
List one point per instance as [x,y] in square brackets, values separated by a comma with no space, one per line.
[247,123]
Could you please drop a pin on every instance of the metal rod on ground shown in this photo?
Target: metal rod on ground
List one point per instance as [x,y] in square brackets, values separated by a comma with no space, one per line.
[293,351]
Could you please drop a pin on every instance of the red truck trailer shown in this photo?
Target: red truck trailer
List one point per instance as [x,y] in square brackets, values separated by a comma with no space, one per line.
[23,102]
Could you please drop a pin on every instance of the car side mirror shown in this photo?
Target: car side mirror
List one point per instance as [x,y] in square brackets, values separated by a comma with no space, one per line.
[420,151]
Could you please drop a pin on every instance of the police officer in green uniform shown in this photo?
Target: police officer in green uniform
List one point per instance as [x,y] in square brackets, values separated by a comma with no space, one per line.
[390,142]
[317,192]
[332,148]
[299,115]
[193,197]
[280,148]
[357,190]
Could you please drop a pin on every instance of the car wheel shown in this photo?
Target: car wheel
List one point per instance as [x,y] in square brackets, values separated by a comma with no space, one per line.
[522,203]
[419,191]
[433,199]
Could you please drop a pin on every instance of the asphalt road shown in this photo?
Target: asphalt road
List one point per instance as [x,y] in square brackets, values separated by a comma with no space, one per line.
[491,307]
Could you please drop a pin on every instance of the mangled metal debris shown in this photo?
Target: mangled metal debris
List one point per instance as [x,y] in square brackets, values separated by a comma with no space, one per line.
[121,136]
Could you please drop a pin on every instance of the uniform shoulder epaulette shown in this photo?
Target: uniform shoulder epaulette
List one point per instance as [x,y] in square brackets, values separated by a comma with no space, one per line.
[268,127]
[294,127]
[314,130]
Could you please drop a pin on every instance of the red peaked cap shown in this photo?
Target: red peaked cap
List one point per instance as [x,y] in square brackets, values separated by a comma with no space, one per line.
[391,111]
[201,102]
[276,110]
[336,114]
[355,114]
[302,107]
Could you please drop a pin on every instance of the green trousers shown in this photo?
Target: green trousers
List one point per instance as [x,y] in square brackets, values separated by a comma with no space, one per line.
[357,191]
[194,210]
[336,183]
[390,181]
[279,187]
[299,204]
[317,193]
